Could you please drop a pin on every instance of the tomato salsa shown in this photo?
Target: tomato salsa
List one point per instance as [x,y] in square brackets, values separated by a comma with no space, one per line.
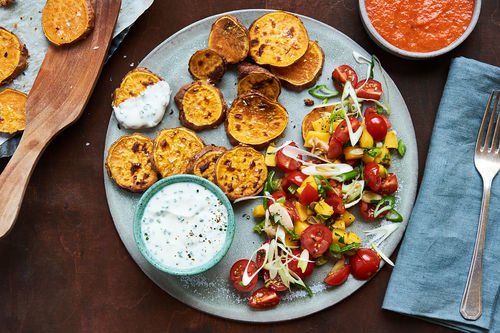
[420,25]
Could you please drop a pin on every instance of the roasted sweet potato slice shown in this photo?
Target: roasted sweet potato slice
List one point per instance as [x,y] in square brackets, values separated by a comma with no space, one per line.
[201,105]
[207,64]
[315,114]
[230,38]
[5,3]
[253,77]
[241,172]
[255,120]
[203,162]
[13,56]
[134,82]
[129,162]
[304,72]
[12,111]
[278,39]
[173,148]
[67,21]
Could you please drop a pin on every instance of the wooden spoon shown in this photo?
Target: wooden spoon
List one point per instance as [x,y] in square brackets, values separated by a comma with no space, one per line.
[59,94]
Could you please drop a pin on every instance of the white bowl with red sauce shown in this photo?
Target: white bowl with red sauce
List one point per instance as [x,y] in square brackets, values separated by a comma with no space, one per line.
[406,50]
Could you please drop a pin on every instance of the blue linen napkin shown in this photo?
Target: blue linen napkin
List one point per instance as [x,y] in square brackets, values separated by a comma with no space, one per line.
[433,263]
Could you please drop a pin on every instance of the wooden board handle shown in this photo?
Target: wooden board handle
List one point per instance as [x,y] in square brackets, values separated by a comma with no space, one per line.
[14,178]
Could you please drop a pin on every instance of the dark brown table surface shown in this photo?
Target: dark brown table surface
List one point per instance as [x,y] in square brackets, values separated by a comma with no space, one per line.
[64,269]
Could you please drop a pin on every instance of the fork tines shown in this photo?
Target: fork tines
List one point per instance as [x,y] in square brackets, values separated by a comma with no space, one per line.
[483,141]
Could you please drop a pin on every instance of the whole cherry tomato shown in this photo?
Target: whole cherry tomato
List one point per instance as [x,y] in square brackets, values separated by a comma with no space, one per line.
[376,126]
[371,109]
[372,176]
[338,274]
[236,275]
[342,74]
[264,298]
[372,89]
[292,265]
[389,184]
[364,263]
[286,163]
[316,239]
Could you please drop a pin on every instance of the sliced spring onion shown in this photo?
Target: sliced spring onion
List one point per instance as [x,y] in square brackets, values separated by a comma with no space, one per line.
[373,152]
[343,177]
[394,216]
[353,193]
[335,248]
[382,255]
[327,170]
[401,148]
[267,196]
[381,233]
[371,197]
[350,92]
[281,215]
[259,227]
[321,91]
[320,261]
[387,203]
[303,260]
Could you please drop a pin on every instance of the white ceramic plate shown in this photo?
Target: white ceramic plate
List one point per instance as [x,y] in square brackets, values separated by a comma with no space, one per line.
[211,291]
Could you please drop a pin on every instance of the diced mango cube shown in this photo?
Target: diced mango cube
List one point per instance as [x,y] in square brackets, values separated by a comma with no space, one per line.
[339,224]
[353,153]
[323,209]
[259,211]
[384,157]
[300,226]
[366,140]
[338,236]
[289,241]
[391,140]
[322,124]
[303,211]
[348,218]
[351,237]
[325,137]
[270,158]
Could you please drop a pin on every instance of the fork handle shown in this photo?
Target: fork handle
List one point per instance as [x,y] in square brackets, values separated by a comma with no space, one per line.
[471,307]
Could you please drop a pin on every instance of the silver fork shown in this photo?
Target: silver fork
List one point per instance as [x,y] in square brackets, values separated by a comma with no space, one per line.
[487,161]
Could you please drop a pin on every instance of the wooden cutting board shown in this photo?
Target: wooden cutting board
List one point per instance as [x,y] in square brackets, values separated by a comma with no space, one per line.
[57,99]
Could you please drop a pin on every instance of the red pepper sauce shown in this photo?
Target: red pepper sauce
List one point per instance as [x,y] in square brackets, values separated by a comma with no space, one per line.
[420,25]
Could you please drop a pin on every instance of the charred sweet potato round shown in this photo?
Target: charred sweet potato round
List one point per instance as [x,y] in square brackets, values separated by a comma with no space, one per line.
[207,64]
[241,172]
[278,39]
[253,77]
[67,21]
[230,38]
[304,72]
[133,83]
[13,56]
[173,148]
[12,111]
[201,105]
[129,162]
[255,120]
[5,2]
[315,114]
[203,162]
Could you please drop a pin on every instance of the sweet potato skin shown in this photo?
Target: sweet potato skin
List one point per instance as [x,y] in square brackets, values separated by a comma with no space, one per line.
[7,73]
[253,77]
[133,83]
[4,3]
[203,162]
[255,120]
[173,148]
[230,38]
[54,30]
[241,172]
[207,110]
[129,162]
[305,72]
[12,111]
[277,39]
[207,64]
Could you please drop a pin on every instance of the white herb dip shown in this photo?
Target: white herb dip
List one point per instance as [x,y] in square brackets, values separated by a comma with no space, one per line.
[145,110]
[184,225]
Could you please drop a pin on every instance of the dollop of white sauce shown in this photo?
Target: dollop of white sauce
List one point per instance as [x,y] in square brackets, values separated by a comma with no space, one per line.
[145,110]
[184,225]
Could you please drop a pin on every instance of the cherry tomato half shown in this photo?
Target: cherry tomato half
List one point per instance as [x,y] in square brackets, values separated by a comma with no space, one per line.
[338,274]
[295,177]
[292,211]
[371,90]
[372,176]
[275,284]
[389,184]
[308,195]
[316,239]
[371,109]
[342,131]
[334,149]
[364,263]
[278,195]
[292,265]
[376,126]
[367,210]
[286,163]
[236,275]
[334,200]
[260,256]
[264,298]
[342,74]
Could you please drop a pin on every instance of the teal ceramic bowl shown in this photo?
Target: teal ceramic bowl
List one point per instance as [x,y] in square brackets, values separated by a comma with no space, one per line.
[139,212]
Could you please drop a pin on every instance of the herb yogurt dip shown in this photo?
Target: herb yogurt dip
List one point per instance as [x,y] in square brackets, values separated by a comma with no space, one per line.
[184,225]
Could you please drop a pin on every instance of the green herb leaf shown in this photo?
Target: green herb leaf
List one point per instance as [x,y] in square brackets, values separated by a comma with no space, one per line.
[291,232]
[305,287]
[401,148]
[372,66]
[323,185]
[380,109]
[335,248]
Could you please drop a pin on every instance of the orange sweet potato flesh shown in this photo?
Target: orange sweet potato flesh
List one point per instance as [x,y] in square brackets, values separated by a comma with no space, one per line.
[207,64]
[134,82]
[12,111]
[255,120]
[304,72]
[203,162]
[13,56]
[230,38]
[278,39]
[253,77]
[5,3]
[67,21]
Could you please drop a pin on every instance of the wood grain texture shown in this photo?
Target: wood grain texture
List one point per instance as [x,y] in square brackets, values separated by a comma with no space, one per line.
[57,99]
[64,269]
